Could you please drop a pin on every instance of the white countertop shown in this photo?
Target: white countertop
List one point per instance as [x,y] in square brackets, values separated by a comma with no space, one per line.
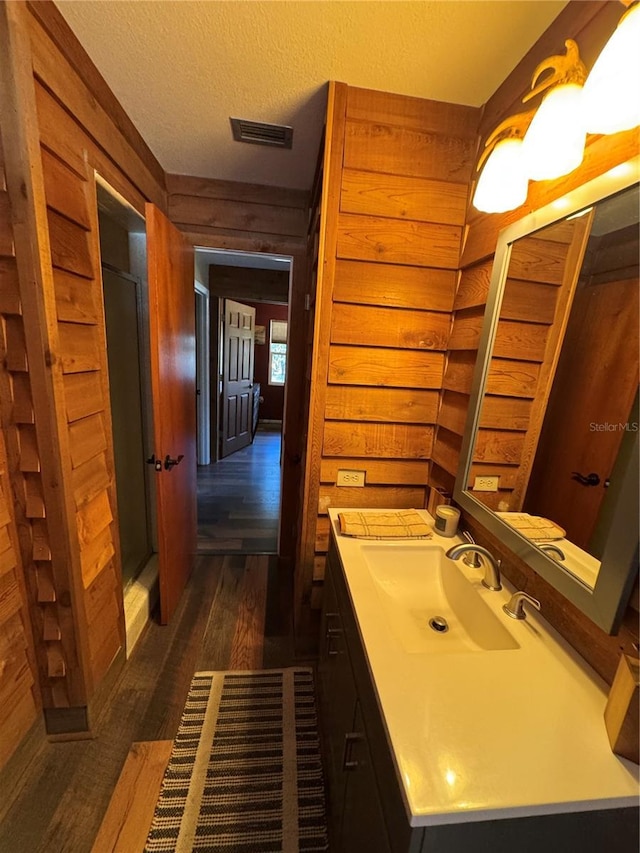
[497,734]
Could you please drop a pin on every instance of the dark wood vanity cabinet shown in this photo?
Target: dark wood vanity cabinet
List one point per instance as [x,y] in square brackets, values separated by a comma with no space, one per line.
[350,732]
[366,810]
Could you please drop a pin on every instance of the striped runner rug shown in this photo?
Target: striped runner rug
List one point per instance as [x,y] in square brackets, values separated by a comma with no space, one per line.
[245,774]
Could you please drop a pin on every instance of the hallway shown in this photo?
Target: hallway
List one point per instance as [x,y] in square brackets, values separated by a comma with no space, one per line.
[239,499]
[235,614]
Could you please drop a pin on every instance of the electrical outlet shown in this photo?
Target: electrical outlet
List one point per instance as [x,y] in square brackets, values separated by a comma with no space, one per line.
[486,484]
[350,478]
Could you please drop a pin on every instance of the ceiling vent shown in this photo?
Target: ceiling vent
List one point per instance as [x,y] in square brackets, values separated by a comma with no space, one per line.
[259,133]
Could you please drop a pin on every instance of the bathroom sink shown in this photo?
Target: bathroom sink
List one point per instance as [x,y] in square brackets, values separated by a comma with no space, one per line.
[428,603]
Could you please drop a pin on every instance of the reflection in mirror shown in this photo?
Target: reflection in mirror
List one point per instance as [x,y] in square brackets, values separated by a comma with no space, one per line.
[549,460]
[563,377]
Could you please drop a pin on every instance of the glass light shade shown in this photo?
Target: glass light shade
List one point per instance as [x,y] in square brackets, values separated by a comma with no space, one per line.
[554,143]
[611,99]
[503,181]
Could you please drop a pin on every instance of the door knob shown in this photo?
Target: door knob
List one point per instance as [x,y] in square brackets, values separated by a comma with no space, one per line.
[157,464]
[588,480]
[169,462]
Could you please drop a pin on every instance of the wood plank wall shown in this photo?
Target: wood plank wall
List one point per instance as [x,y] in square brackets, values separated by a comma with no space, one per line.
[590,24]
[73,236]
[395,206]
[79,135]
[66,127]
[20,699]
[256,218]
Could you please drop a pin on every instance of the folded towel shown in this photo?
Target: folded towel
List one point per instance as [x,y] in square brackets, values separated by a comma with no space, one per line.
[534,527]
[402,524]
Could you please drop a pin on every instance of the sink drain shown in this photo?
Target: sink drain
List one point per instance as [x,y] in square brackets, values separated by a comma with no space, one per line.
[439,624]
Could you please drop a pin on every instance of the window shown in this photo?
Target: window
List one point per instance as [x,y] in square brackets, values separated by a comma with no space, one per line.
[277,352]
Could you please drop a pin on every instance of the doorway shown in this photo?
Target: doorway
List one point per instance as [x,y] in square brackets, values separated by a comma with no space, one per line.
[123,250]
[239,491]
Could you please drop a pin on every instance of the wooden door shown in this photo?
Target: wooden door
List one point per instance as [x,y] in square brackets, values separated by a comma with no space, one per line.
[237,376]
[173,371]
[593,392]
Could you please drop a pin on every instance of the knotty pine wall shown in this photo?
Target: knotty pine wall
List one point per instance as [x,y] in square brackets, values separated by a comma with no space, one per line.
[20,700]
[590,24]
[396,180]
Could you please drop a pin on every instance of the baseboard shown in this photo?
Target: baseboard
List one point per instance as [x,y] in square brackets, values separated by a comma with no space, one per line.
[140,598]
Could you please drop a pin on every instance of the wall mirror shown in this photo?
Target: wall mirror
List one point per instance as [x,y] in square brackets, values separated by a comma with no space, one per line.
[549,460]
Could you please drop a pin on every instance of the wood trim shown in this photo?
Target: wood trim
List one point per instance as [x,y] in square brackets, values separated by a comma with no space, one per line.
[25,183]
[333,156]
[91,202]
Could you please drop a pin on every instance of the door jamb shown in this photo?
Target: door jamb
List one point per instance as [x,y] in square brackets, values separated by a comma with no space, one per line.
[203,373]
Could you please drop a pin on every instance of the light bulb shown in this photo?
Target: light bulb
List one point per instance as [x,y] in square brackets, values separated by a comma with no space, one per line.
[611,99]
[554,143]
[503,182]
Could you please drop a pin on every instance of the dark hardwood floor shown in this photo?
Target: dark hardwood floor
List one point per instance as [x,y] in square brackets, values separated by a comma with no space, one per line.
[239,499]
[235,614]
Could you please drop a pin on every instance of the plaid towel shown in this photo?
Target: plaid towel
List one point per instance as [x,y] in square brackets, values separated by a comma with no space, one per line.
[403,524]
[534,527]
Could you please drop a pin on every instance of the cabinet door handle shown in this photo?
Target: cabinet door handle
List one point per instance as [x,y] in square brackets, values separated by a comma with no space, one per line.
[348,762]
[331,634]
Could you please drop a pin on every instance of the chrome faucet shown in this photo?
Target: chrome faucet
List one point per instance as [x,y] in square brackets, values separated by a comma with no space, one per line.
[515,606]
[471,558]
[491,566]
[552,549]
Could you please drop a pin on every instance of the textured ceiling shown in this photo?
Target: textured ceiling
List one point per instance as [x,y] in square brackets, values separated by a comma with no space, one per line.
[180,68]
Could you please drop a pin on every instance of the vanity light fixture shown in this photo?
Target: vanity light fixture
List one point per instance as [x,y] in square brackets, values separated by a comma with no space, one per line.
[548,143]
[554,143]
[610,94]
[503,182]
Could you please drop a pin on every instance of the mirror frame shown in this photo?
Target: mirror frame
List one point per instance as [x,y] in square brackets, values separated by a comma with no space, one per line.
[606,602]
